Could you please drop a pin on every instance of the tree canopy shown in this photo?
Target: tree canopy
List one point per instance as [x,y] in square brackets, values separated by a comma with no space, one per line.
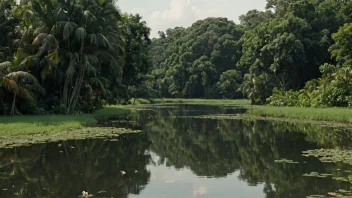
[189,62]
[60,56]
[270,52]
[69,56]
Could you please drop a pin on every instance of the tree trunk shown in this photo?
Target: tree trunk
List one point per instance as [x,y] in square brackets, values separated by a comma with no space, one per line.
[13,105]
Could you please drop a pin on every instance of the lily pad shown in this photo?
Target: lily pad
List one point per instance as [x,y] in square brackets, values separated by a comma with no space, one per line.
[344,191]
[330,155]
[315,174]
[311,196]
[341,179]
[283,160]
[334,194]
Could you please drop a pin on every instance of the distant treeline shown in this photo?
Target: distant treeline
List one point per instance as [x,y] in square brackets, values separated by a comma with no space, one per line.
[296,53]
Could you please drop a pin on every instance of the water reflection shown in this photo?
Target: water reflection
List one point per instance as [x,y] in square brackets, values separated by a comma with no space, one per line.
[176,156]
[68,168]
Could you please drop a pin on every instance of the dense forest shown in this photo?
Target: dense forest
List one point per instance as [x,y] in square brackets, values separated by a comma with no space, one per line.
[60,56]
[295,53]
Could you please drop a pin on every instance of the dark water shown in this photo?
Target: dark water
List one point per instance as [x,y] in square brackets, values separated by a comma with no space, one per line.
[178,156]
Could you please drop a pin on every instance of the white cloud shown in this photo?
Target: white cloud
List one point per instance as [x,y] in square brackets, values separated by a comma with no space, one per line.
[184,13]
[180,13]
[163,14]
[138,10]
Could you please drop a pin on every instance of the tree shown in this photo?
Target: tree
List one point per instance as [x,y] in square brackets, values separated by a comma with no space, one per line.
[229,84]
[84,45]
[341,50]
[189,62]
[138,60]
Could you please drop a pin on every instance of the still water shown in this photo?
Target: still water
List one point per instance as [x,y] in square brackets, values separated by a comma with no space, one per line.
[180,155]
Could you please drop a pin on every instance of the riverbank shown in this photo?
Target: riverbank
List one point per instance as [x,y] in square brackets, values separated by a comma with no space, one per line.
[241,102]
[340,115]
[42,124]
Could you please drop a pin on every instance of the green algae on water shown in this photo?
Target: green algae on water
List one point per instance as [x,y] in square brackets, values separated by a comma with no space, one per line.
[330,155]
[283,160]
[316,174]
[78,134]
[311,196]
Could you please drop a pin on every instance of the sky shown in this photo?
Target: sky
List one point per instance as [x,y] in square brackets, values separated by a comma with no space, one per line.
[163,14]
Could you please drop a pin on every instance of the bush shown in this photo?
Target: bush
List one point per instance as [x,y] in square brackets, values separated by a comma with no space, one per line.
[280,98]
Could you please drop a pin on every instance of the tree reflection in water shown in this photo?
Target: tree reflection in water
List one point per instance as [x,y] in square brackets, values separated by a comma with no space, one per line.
[209,148]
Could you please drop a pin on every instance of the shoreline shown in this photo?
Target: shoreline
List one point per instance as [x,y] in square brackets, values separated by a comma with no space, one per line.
[327,115]
[46,125]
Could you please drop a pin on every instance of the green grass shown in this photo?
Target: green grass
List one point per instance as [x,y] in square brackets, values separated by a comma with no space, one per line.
[28,125]
[319,114]
[203,101]
[140,101]
[343,115]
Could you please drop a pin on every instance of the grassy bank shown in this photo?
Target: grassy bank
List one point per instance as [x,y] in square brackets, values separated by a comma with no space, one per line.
[320,114]
[342,115]
[27,125]
[202,101]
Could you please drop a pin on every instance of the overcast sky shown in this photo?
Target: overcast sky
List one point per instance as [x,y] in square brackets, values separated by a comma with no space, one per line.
[163,14]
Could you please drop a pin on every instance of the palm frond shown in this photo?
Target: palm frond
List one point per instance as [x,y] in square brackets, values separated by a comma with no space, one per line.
[115,67]
[9,84]
[97,84]
[102,41]
[71,68]
[88,15]
[93,39]
[88,67]
[69,28]
[15,80]
[25,94]
[39,40]
[53,57]
[80,34]
[5,66]
[22,77]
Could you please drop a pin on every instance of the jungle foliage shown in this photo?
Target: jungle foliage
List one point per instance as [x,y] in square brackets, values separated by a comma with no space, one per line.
[60,56]
[68,57]
[295,53]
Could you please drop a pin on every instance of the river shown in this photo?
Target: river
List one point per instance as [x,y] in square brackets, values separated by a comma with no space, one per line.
[183,151]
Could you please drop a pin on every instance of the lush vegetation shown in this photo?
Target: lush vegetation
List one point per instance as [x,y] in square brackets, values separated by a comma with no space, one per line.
[64,57]
[198,62]
[60,56]
[295,53]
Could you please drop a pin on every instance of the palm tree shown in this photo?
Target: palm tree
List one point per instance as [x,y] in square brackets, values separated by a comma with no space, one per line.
[19,83]
[85,45]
